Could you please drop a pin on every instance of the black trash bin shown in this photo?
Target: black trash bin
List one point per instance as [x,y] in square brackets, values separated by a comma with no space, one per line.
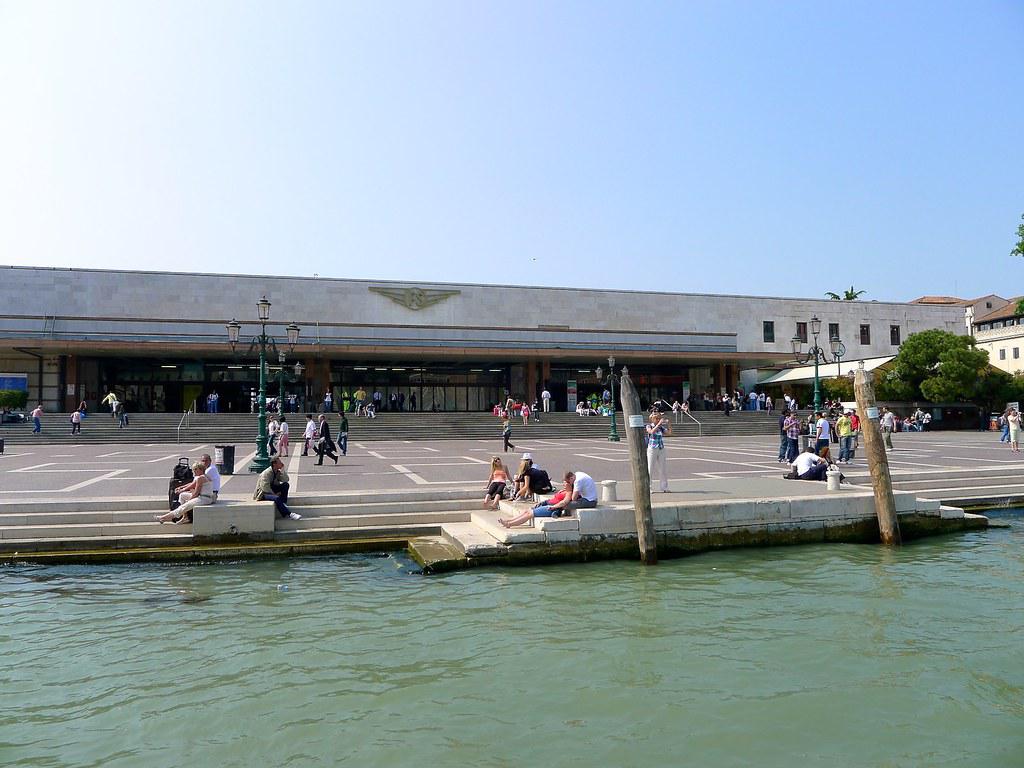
[224,458]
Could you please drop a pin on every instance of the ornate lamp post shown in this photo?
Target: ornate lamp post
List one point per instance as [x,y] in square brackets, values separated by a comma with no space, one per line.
[613,433]
[262,342]
[836,352]
[293,332]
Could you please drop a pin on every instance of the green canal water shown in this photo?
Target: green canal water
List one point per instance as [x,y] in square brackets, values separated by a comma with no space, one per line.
[836,655]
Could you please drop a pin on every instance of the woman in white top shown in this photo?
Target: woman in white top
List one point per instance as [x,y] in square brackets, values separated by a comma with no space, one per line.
[282,440]
[273,430]
[197,493]
[1013,419]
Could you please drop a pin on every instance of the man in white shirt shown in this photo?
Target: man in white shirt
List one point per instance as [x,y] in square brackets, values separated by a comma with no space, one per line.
[545,396]
[810,466]
[888,427]
[309,435]
[212,473]
[823,432]
[583,496]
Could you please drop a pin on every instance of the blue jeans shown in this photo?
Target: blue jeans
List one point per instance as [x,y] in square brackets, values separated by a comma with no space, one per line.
[791,449]
[39,427]
[846,447]
[343,443]
[1006,434]
[279,499]
[783,446]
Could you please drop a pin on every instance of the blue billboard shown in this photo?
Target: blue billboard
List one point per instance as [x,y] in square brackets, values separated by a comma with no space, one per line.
[17,381]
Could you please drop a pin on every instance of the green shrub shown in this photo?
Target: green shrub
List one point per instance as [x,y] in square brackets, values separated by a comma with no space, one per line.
[13,398]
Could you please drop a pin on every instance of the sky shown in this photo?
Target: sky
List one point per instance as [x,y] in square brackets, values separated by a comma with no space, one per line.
[766,148]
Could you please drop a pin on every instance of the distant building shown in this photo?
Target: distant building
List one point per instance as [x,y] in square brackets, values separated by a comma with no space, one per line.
[1001,334]
[159,338]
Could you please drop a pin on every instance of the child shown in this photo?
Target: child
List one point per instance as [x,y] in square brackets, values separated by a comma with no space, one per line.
[506,434]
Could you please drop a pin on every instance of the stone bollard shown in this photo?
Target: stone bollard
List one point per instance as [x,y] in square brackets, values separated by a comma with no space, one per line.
[832,478]
[609,490]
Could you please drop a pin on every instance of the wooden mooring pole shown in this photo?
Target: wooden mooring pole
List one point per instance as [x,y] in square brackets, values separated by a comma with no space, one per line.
[878,462]
[636,437]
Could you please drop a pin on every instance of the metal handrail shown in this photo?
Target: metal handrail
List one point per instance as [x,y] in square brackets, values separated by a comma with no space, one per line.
[185,419]
[700,429]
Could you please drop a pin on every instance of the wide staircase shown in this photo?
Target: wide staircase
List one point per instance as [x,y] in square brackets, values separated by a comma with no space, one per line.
[127,523]
[240,428]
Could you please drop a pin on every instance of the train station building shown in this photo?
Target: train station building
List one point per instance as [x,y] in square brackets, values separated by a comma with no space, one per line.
[160,339]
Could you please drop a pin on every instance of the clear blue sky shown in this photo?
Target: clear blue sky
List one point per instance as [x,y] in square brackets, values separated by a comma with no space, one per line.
[738,147]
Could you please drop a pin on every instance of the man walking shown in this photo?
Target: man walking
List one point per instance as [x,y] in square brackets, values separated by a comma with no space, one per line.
[324,444]
[844,428]
[343,435]
[888,426]
[37,415]
[823,432]
[783,437]
[309,435]
[792,427]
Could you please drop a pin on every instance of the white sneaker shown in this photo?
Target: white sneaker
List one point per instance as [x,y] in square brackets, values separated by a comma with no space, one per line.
[294,515]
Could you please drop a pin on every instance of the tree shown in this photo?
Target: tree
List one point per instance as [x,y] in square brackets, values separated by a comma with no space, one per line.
[13,398]
[1018,250]
[939,366]
[850,295]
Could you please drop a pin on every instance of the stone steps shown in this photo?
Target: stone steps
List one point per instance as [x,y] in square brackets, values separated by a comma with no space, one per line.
[240,429]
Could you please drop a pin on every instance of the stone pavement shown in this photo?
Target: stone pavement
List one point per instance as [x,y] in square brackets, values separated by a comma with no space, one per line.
[76,472]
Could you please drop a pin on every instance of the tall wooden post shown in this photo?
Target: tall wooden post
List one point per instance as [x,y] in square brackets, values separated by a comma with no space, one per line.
[638,465]
[878,462]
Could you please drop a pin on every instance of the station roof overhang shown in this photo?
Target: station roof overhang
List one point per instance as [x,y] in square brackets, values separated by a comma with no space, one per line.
[805,373]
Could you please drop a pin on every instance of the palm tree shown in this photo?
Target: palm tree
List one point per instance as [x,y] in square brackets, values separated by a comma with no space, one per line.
[850,295]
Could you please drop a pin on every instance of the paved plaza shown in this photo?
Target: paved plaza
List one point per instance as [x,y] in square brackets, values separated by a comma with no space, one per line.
[96,471]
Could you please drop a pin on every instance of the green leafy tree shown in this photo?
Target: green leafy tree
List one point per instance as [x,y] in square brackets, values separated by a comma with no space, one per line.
[837,388]
[850,295]
[939,366]
[13,398]
[1018,250]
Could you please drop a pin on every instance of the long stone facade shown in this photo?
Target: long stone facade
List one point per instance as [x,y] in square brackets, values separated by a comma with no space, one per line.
[74,332]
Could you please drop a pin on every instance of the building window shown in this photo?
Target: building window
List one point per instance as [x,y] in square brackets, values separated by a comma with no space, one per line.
[988,305]
[1002,354]
[998,325]
[1016,353]
[833,331]
[801,332]
[894,335]
[768,331]
[865,334]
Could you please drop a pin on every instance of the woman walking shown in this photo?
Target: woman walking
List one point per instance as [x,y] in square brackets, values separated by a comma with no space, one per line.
[506,434]
[282,440]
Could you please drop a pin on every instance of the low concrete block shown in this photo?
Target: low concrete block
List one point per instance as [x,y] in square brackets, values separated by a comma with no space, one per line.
[951,513]
[562,537]
[253,519]
[772,510]
[928,506]
[550,524]
[738,512]
[606,520]
[906,501]
[665,518]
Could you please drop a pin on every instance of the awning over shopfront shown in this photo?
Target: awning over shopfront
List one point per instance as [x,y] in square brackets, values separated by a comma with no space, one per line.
[805,373]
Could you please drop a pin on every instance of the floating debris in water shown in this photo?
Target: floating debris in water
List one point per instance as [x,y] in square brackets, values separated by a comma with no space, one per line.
[282,587]
[575,723]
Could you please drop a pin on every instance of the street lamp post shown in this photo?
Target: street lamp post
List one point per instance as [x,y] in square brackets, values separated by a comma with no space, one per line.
[613,432]
[819,355]
[262,342]
[299,368]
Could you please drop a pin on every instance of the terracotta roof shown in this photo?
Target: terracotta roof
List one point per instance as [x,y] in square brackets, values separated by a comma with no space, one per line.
[1005,312]
[940,300]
